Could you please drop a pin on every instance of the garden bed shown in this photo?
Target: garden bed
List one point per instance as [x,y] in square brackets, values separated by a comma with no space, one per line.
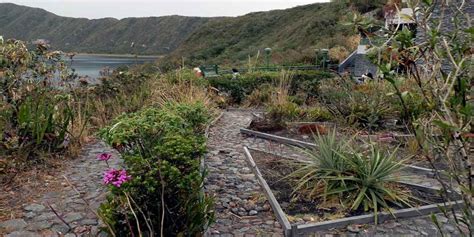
[302,215]
[292,135]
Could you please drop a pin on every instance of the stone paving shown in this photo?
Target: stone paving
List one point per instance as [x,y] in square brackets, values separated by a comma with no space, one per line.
[85,174]
[241,207]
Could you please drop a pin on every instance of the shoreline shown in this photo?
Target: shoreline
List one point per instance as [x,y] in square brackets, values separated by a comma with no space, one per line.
[120,55]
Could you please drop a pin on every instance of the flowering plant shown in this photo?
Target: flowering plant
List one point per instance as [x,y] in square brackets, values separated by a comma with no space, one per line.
[104,156]
[116,177]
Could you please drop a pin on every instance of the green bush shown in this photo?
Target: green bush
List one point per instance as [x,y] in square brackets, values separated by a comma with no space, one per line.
[315,114]
[238,89]
[37,107]
[366,105]
[161,148]
[280,113]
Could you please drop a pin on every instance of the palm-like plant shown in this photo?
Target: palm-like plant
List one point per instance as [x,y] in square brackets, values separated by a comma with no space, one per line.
[325,161]
[369,181]
[358,179]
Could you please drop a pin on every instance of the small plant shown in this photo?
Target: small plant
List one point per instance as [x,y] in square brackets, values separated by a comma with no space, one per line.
[326,161]
[369,182]
[318,113]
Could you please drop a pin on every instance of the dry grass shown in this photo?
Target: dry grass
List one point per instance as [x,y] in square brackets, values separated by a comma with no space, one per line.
[281,93]
[184,88]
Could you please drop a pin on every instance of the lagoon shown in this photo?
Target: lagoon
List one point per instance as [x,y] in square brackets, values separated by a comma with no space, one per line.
[91,64]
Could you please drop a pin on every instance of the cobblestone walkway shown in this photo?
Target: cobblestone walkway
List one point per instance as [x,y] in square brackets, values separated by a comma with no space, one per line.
[241,207]
[85,174]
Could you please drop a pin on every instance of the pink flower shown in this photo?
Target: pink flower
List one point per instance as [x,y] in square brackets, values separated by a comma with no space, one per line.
[116,177]
[104,157]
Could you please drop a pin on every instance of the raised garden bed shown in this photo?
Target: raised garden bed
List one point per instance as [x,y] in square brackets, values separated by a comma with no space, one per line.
[302,216]
[416,166]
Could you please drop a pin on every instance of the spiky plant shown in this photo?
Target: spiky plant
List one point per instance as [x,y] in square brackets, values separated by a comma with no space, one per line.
[325,161]
[357,179]
[369,181]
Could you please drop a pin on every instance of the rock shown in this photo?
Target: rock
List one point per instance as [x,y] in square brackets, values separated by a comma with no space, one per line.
[49,233]
[391,224]
[89,222]
[353,228]
[266,207]
[35,226]
[60,228]
[34,207]
[30,215]
[449,228]
[253,213]
[73,216]
[23,234]
[13,225]
[442,219]
[45,216]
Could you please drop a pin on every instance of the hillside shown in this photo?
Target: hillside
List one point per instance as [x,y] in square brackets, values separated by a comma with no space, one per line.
[152,35]
[293,34]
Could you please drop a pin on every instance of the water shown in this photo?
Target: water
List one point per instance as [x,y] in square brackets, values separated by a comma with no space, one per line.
[91,65]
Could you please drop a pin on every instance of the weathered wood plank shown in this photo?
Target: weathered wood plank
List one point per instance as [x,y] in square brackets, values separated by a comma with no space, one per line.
[279,139]
[280,214]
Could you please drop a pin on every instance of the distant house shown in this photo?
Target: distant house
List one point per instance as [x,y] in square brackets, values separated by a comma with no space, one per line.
[357,64]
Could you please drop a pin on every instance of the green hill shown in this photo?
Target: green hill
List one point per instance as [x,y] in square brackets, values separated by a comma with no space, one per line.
[152,35]
[293,34]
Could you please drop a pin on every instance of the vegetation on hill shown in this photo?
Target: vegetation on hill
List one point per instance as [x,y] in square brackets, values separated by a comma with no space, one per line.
[150,35]
[293,34]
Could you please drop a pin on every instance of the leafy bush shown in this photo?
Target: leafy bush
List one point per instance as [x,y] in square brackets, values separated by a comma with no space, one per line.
[240,88]
[162,150]
[362,180]
[39,110]
[366,105]
[280,113]
[318,113]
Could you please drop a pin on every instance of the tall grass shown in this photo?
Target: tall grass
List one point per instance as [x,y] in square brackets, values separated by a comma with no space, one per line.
[180,86]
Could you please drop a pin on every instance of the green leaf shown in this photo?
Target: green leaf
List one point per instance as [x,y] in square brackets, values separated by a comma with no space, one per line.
[444,125]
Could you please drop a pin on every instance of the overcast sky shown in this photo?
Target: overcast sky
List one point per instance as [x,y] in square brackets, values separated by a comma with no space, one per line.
[141,8]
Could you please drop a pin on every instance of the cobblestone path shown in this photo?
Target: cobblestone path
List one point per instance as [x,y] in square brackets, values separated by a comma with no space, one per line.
[241,207]
[85,175]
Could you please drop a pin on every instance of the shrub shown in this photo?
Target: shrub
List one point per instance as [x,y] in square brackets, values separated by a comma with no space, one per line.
[318,113]
[366,105]
[239,89]
[39,109]
[281,113]
[162,150]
